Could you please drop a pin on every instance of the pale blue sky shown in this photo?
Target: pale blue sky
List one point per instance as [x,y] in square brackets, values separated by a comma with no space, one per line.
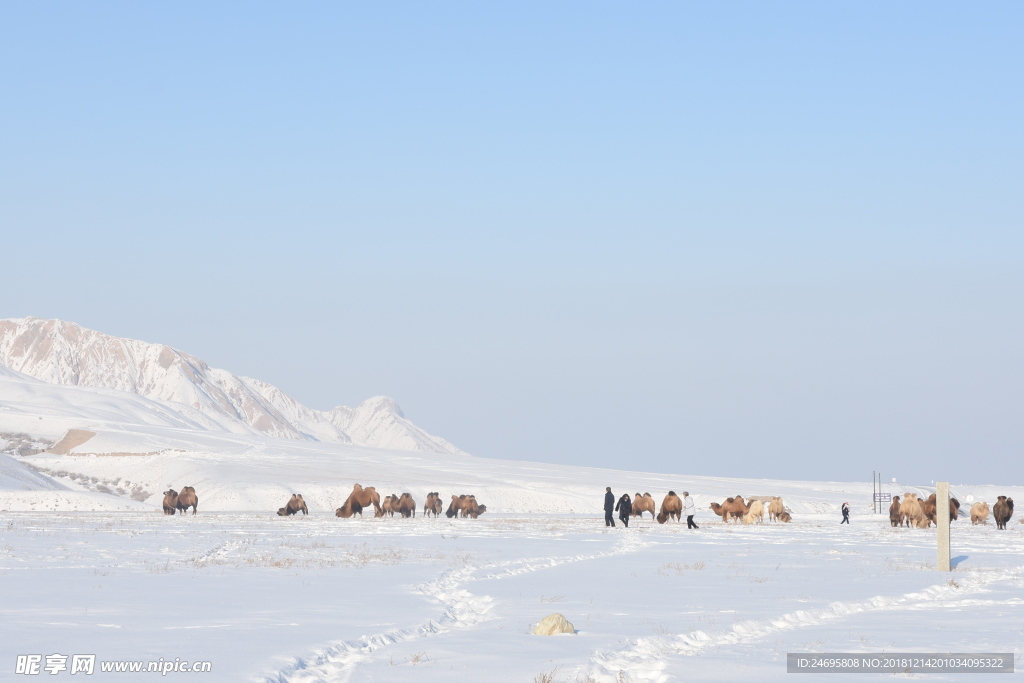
[776,239]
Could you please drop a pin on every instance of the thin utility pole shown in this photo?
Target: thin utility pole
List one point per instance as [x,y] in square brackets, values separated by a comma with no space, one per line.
[874,498]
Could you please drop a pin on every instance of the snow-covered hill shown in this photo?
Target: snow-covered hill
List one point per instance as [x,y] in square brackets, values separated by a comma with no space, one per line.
[63,353]
[24,489]
[128,419]
[14,476]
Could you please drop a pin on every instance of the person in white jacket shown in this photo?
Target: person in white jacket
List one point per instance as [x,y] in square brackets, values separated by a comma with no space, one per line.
[689,509]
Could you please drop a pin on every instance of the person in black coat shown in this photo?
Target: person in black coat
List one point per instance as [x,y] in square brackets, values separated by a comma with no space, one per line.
[624,507]
[609,506]
[846,514]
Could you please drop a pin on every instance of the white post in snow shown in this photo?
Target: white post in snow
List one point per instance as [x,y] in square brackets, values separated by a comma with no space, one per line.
[942,521]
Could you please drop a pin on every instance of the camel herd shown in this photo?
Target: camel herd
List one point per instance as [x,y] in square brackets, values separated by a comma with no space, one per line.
[752,511]
[467,506]
[911,511]
[360,499]
[174,501]
[404,505]
[363,498]
[921,514]
[917,513]
[732,509]
[1002,511]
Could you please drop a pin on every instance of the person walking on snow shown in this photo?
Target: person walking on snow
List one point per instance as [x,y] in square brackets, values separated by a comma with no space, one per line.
[846,514]
[689,509]
[624,507]
[609,506]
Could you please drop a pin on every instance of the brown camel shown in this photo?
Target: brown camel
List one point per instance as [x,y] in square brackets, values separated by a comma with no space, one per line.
[293,506]
[775,508]
[455,507]
[465,506]
[894,511]
[188,498]
[405,506]
[458,506]
[785,517]
[671,507]
[979,513]
[643,503]
[471,508]
[929,509]
[1002,511]
[433,505]
[732,508]
[388,505]
[357,500]
[170,501]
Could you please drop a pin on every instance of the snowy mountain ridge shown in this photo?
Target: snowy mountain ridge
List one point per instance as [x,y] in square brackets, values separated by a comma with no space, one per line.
[59,352]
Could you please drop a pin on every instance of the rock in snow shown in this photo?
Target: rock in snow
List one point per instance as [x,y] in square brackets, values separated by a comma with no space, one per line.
[60,352]
[553,624]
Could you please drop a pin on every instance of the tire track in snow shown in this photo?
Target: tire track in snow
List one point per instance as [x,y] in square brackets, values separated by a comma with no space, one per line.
[462,609]
[646,659]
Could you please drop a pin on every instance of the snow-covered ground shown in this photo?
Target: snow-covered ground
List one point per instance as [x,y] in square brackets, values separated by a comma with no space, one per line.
[265,598]
[90,565]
